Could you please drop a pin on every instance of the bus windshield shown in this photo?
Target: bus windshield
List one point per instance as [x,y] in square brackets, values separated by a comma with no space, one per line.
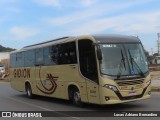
[123,59]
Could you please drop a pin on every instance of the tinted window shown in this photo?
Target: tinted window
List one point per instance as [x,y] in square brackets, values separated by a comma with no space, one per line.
[20,59]
[67,53]
[29,58]
[13,60]
[87,58]
[39,56]
[50,55]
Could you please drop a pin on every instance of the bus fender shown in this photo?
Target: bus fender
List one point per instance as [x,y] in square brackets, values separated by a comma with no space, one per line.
[74,85]
[27,82]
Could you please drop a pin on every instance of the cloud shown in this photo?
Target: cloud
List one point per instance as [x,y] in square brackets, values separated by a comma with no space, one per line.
[73,17]
[22,33]
[127,23]
[13,9]
[8,1]
[87,2]
[93,12]
[51,3]
[104,17]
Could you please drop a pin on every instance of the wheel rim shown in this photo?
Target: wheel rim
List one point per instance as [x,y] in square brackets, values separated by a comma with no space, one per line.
[29,91]
[77,97]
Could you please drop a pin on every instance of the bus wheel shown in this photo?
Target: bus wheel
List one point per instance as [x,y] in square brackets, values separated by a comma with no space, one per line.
[29,91]
[76,98]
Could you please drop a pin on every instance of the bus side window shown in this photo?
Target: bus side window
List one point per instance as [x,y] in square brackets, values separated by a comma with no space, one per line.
[54,54]
[29,61]
[51,55]
[13,60]
[39,57]
[87,58]
[67,53]
[20,59]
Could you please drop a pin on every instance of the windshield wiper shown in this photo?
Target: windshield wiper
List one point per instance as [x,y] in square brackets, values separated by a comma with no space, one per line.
[120,65]
[137,66]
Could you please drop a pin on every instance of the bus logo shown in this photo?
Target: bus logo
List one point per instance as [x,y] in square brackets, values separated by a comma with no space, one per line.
[52,80]
[22,73]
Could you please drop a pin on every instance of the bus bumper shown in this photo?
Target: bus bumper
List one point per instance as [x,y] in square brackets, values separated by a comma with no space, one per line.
[117,97]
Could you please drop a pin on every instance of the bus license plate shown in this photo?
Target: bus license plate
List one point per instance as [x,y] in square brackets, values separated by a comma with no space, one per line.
[132,93]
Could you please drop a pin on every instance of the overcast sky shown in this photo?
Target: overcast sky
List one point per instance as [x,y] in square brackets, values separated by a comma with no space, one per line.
[25,22]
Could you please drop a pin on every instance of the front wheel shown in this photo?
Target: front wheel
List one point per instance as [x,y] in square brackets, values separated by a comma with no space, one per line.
[76,98]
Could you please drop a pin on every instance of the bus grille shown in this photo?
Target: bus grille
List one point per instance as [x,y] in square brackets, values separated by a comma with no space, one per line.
[133,82]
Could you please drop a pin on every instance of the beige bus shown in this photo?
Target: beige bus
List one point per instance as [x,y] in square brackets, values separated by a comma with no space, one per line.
[98,69]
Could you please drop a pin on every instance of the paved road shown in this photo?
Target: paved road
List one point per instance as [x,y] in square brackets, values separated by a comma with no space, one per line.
[11,100]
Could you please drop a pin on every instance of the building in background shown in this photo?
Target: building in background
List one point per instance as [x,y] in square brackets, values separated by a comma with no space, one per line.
[4,62]
[4,55]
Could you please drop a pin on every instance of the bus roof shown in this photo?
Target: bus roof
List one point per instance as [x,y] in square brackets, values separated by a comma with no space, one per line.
[47,43]
[106,38]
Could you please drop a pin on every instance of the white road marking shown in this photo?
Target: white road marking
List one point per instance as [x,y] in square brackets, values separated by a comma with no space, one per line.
[37,106]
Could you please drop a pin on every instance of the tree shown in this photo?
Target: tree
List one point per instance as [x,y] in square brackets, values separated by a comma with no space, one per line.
[5,49]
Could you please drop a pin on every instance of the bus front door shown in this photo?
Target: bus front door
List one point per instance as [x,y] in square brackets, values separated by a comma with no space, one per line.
[88,69]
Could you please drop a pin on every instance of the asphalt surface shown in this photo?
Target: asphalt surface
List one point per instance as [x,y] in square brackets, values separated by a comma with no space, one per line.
[11,100]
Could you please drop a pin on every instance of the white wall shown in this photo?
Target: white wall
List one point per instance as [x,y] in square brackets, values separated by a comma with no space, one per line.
[4,55]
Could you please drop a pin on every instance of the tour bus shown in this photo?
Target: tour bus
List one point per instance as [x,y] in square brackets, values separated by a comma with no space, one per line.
[97,69]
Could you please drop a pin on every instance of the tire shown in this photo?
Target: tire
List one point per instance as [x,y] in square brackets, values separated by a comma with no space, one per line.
[29,91]
[76,98]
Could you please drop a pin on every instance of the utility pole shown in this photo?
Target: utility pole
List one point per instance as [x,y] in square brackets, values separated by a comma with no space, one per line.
[158,44]
[152,51]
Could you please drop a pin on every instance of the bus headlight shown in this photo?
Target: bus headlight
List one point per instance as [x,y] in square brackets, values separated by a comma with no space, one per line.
[114,88]
[147,83]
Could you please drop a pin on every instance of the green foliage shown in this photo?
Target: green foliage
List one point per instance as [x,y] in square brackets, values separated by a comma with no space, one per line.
[5,49]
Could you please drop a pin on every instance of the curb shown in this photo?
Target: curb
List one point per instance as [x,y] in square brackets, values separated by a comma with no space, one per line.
[155,89]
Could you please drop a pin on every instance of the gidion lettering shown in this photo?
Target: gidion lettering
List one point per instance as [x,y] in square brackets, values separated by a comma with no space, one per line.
[22,73]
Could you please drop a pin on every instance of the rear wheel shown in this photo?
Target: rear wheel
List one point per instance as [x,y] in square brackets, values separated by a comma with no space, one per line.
[29,91]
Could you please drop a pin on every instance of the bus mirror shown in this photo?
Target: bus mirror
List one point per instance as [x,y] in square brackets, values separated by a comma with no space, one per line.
[99,53]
